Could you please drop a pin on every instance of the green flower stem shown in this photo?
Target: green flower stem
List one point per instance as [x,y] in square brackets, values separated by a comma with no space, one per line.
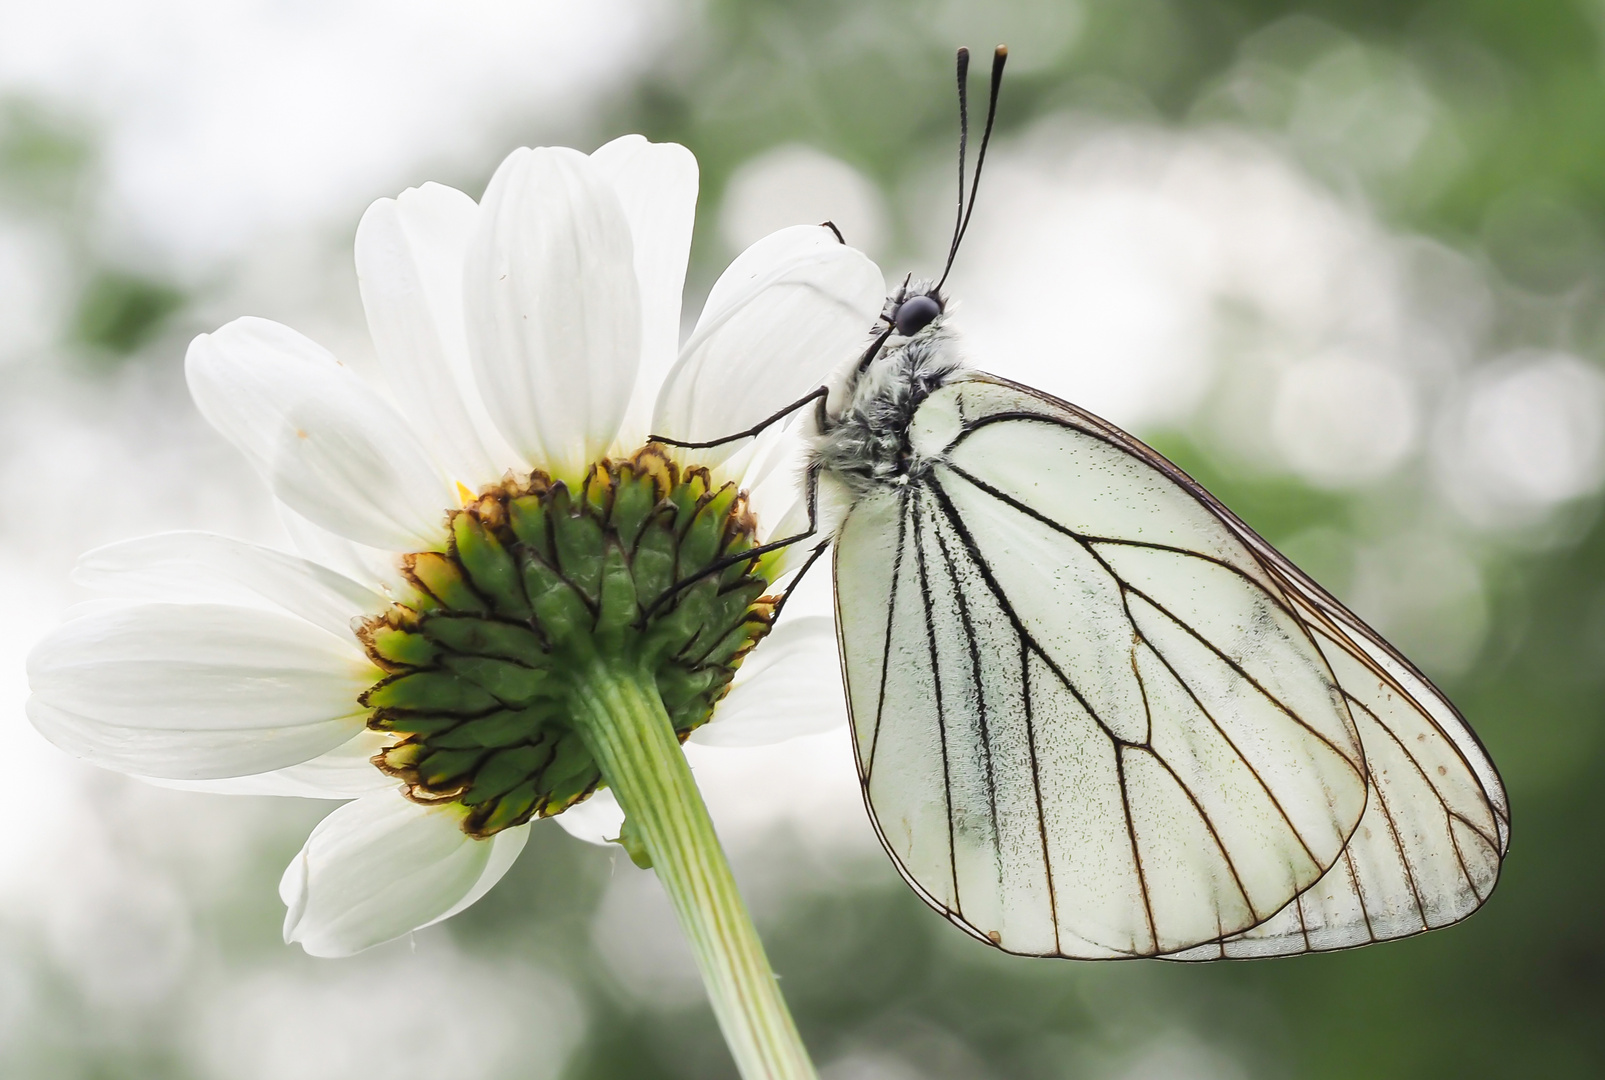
[630,735]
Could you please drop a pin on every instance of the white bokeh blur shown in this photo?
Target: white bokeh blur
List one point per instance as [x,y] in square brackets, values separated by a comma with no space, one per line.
[1524,435]
[484,1020]
[224,121]
[798,185]
[1133,271]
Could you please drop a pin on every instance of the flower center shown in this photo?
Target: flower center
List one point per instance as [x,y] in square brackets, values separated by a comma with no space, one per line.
[538,580]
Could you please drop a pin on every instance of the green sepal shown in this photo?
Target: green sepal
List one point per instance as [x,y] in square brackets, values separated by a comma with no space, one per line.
[486,637]
[732,575]
[633,499]
[442,579]
[404,647]
[429,691]
[597,492]
[498,730]
[406,723]
[514,808]
[505,770]
[616,606]
[671,633]
[732,643]
[725,609]
[653,565]
[511,683]
[561,610]
[572,771]
[489,566]
[678,686]
[526,516]
[403,755]
[686,497]
[443,766]
[578,538]
[703,538]
[768,567]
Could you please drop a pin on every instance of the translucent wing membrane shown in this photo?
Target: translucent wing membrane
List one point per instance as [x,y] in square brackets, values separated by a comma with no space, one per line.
[1096,716]
[1437,822]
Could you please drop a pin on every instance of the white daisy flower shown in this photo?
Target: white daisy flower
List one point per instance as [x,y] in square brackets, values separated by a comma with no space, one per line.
[482,502]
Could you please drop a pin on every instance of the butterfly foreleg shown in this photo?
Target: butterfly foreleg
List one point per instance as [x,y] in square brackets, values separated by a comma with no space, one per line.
[817,394]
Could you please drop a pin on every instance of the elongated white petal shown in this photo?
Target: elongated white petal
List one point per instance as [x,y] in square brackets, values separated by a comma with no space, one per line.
[790,310]
[772,478]
[346,772]
[789,686]
[657,185]
[597,820]
[196,691]
[321,438]
[554,311]
[409,256]
[373,568]
[381,867]
[189,567]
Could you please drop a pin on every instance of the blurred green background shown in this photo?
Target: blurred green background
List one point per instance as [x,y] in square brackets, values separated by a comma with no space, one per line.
[1344,261]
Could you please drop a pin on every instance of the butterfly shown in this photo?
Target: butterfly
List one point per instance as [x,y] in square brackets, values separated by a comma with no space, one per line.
[1095,715]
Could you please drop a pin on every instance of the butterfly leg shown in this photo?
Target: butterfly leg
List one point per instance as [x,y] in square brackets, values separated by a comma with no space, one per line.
[756,429]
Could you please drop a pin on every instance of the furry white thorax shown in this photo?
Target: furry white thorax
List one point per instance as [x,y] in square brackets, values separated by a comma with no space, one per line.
[863,436]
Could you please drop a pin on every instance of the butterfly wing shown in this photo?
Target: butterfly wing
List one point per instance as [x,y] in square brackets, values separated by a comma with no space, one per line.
[1436,827]
[1089,721]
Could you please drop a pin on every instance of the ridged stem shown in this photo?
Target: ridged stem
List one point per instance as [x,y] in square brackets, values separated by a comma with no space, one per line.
[629,733]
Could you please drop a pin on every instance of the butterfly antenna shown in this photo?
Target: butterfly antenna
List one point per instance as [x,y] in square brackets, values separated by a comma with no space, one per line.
[1000,56]
[964,139]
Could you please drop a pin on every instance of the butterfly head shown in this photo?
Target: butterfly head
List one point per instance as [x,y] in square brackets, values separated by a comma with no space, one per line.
[911,310]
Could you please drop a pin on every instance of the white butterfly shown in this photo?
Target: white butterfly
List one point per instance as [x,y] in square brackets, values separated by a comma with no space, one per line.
[1095,715]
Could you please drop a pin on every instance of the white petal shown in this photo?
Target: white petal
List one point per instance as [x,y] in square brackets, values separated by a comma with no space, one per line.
[371,567]
[381,867]
[346,772]
[789,686]
[774,485]
[597,820]
[409,254]
[196,691]
[190,567]
[554,311]
[321,438]
[657,185]
[790,310]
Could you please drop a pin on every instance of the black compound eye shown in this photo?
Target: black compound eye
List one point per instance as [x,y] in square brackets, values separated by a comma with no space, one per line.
[915,314]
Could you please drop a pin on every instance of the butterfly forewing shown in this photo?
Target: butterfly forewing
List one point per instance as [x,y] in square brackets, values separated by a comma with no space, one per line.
[1089,719]
[1436,828]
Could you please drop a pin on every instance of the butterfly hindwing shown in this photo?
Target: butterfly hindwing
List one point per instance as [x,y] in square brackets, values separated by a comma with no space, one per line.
[1428,850]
